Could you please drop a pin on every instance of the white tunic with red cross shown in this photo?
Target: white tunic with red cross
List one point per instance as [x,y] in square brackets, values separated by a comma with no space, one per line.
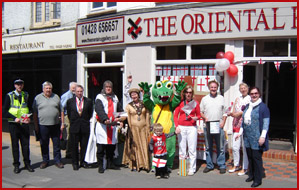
[107,134]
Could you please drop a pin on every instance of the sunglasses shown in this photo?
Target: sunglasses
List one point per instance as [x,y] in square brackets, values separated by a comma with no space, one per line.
[188,92]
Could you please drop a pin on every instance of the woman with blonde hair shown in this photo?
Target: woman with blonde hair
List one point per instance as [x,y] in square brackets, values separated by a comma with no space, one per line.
[237,139]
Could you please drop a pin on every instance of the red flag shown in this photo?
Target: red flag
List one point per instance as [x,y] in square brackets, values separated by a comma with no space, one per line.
[94,80]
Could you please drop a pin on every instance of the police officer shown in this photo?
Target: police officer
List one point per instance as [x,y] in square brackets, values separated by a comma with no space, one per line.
[16,110]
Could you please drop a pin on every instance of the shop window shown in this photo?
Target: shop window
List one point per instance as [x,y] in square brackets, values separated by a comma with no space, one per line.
[196,75]
[94,57]
[114,56]
[206,51]
[111,56]
[269,48]
[46,14]
[171,52]
[294,47]
[99,5]
[248,48]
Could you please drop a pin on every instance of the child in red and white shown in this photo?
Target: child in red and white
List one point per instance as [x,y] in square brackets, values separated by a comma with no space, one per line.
[158,148]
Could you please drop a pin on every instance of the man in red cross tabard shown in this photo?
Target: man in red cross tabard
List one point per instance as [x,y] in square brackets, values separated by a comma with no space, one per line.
[106,132]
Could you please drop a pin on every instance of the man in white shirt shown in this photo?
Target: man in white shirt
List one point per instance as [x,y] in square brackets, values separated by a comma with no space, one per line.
[212,112]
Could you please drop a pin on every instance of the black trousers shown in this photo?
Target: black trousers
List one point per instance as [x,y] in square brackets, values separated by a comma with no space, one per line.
[255,164]
[107,149]
[77,138]
[19,133]
[161,171]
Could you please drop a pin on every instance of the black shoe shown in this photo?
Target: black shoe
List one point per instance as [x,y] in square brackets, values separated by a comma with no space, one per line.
[28,167]
[16,170]
[256,184]
[75,167]
[84,165]
[249,179]
[222,170]
[101,170]
[112,166]
[206,170]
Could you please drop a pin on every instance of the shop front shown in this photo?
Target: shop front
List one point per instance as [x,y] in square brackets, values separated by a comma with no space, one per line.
[36,58]
[181,44]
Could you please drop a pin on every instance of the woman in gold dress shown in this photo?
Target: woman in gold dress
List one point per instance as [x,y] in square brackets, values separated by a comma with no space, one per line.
[136,153]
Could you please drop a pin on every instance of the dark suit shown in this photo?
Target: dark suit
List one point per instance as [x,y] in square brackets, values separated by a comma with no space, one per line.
[79,127]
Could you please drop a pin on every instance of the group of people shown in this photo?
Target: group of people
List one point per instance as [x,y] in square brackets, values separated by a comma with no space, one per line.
[94,128]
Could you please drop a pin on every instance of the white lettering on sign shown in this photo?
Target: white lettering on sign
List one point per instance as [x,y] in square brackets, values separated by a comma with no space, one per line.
[100,31]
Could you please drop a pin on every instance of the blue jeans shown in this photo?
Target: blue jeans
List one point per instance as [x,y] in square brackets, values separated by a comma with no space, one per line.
[219,140]
[46,132]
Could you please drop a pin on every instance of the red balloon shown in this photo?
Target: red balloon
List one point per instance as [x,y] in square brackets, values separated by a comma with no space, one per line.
[230,56]
[220,55]
[232,70]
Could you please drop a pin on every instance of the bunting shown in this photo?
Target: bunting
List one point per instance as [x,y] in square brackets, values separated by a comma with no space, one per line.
[277,65]
[159,71]
[294,64]
[261,62]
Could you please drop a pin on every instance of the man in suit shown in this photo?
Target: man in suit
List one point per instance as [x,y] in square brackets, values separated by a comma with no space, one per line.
[79,109]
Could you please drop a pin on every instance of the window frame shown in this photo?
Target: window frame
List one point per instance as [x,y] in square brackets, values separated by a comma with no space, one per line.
[104,7]
[45,23]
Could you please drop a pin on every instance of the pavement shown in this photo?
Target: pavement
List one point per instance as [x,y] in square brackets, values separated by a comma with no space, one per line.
[279,174]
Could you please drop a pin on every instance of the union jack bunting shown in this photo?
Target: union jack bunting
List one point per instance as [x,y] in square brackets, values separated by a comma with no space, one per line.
[277,65]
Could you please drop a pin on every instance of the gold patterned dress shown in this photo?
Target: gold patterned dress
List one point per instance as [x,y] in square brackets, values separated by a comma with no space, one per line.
[136,153]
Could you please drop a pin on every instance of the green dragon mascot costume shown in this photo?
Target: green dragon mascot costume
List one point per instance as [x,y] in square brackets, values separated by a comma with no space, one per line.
[162,109]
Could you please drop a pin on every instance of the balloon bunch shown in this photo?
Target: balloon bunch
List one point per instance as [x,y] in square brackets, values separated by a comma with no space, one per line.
[226,62]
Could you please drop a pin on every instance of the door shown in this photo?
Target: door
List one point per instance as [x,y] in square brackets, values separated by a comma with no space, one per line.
[97,76]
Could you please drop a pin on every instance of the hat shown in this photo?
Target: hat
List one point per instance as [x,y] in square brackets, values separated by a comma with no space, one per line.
[18,81]
[134,90]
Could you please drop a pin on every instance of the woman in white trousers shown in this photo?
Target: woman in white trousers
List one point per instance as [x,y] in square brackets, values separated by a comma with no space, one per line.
[185,117]
[237,140]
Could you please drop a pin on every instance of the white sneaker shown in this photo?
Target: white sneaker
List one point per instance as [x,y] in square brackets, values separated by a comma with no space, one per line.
[190,173]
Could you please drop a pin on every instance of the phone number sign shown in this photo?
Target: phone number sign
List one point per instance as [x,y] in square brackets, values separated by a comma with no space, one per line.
[100,32]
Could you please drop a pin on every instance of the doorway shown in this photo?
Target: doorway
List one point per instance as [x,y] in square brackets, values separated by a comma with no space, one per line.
[279,90]
[97,76]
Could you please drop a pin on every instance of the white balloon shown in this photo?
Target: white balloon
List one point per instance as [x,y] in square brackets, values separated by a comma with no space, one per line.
[224,64]
[217,66]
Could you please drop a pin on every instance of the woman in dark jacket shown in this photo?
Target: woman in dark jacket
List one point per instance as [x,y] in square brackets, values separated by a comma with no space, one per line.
[256,119]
